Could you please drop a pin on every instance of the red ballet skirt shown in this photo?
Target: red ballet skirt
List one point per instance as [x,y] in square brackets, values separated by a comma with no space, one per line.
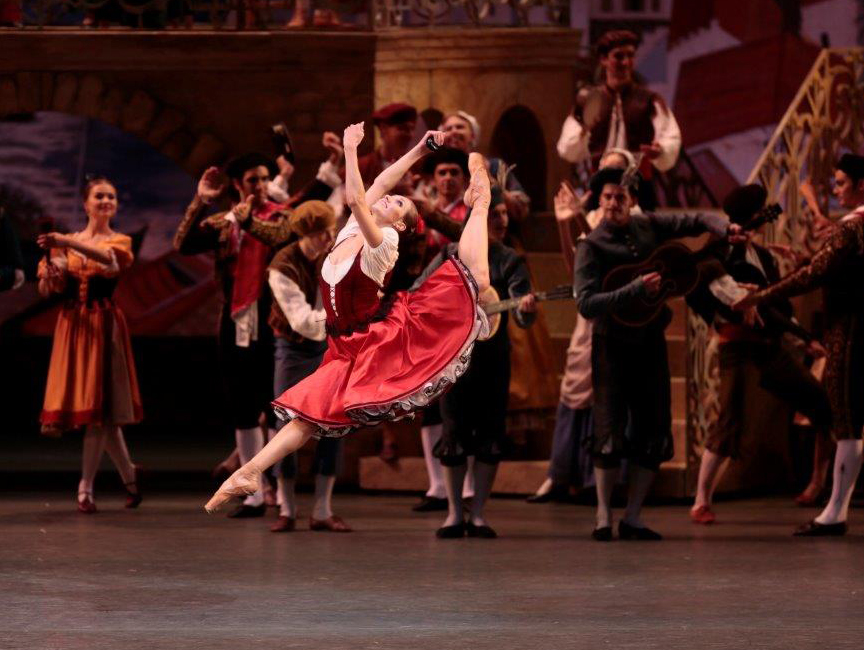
[386,359]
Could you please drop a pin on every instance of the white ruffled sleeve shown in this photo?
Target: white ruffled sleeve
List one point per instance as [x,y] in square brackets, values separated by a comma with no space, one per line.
[573,141]
[302,317]
[377,262]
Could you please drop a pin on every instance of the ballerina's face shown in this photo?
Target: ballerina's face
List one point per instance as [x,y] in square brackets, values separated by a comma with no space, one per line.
[391,210]
[101,202]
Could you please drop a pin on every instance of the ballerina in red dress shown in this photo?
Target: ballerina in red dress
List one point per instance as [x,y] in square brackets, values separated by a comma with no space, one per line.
[385,358]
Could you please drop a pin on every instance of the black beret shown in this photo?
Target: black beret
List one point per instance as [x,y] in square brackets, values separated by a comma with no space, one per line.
[238,166]
[743,202]
[852,165]
[446,155]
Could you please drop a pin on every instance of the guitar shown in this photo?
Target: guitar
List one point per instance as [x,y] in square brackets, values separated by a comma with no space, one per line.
[681,269]
[492,304]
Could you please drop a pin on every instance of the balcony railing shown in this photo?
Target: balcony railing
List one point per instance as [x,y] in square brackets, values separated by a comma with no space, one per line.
[273,14]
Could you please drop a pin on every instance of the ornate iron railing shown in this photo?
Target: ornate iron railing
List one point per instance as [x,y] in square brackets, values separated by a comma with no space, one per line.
[263,14]
[825,117]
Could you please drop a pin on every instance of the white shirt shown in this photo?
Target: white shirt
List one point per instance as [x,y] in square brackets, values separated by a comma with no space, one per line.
[306,320]
[573,142]
[375,262]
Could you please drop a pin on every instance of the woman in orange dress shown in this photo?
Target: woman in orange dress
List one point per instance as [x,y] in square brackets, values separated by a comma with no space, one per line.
[91,377]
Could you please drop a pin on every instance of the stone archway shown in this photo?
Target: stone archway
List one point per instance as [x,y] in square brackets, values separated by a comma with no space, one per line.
[134,111]
[518,139]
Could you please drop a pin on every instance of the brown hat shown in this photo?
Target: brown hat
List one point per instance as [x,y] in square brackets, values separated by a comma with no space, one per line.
[397,113]
[312,217]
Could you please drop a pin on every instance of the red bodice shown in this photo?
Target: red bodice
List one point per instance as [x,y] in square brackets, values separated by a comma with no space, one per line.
[353,301]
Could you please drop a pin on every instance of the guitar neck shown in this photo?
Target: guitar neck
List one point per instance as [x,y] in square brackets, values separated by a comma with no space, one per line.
[510,303]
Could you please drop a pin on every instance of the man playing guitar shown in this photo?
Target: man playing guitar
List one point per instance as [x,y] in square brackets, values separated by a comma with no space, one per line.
[629,363]
[749,342]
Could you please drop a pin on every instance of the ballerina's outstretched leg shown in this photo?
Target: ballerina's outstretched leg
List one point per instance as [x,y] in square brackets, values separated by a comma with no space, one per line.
[247,479]
[474,242]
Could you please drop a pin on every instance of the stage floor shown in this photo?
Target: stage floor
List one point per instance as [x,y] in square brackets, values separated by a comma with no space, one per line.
[169,576]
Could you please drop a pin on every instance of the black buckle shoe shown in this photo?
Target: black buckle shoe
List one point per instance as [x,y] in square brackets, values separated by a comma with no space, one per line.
[643,534]
[486,532]
[603,534]
[456,531]
[815,529]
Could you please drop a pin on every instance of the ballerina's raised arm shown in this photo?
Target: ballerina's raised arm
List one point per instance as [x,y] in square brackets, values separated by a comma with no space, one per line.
[374,209]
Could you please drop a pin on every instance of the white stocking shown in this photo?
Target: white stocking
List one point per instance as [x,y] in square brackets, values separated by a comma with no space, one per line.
[323,496]
[430,436]
[604,480]
[640,482]
[91,455]
[468,485]
[249,443]
[115,445]
[285,497]
[847,464]
[484,478]
[454,477]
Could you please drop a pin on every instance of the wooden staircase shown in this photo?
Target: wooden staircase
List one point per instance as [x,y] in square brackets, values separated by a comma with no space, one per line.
[523,476]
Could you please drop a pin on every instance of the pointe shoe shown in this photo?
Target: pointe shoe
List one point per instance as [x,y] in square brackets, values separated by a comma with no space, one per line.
[244,481]
[134,499]
[86,505]
[480,185]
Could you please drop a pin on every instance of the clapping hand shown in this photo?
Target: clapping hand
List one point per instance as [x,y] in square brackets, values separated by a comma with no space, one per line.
[286,169]
[211,185]
[568,204]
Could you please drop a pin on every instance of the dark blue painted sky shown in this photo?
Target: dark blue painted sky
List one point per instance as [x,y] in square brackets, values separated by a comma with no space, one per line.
[48,156]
